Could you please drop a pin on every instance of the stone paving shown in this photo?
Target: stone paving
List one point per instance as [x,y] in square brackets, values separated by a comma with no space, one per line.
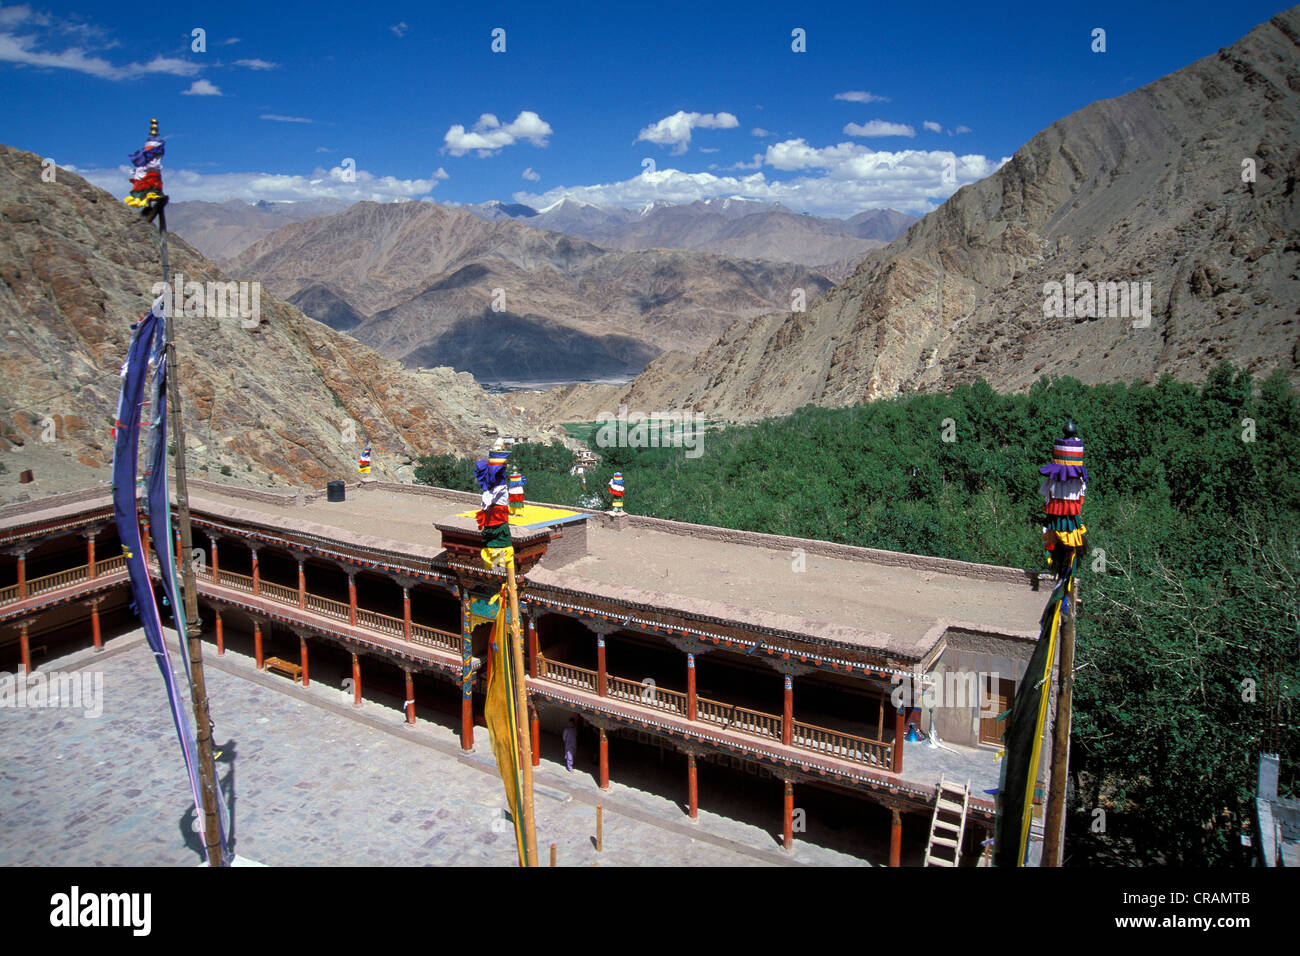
[316,782]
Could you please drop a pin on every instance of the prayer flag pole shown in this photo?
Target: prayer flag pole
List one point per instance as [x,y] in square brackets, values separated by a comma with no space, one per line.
[155,205]
[1063,490]
[521,708]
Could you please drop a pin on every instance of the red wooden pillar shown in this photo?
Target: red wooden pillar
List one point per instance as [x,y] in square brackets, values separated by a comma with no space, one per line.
[22,575]
[216,572]
[221,638]
[302,585]
[406,613]
[180,558]
[898,741]
[25,648]
[466,721]
[144,540]
[257,576]
[94,625]
[690,696]
[90,552]
[692,787]
[302,650]
[257,643]
[604,760]
[356,680]
[352,598]
[410,698]
[532,649]
[896,839]
[600,667]
[789,815]
[535,732]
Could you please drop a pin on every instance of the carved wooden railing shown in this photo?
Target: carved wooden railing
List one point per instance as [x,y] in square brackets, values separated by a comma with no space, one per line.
[646,693]
[566,674]
[60,579]
[382,623]
[327,606]
[733,717]
[756,723]
[63,579]
[836,743]
[278,592]
[432,637]
[239,582]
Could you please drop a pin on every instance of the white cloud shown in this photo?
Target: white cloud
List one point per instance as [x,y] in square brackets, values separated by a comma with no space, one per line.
[759,132]
[861,96]
[201,88]
[962,129]
[488,135]
[186,184]
[323,149]
[832,181]
[231,40]
[531,176]
[19,49]
[932,126]
[277,118]
[257,64]
[399,28]
[11,16]
[879,128]
[675,130]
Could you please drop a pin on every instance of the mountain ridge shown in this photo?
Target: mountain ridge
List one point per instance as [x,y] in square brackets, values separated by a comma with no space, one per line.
[275,404]
[412,279]
[1146,187]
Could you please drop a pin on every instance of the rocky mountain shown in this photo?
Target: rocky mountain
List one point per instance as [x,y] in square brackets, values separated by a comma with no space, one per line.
[496,209]
[432,285]
[725,225]
[222,230]
[289,401]
[1183,191]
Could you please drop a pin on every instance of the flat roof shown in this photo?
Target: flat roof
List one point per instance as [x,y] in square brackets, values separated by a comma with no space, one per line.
[892,608]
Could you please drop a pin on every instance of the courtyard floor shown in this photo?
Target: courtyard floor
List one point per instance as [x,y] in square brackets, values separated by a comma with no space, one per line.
[316,781]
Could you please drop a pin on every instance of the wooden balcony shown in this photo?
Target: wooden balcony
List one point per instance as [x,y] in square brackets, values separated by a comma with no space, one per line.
[761,727]
[70,580]
[874,754]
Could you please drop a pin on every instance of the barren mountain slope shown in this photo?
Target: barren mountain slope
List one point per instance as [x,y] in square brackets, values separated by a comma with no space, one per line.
[272,405]
[420,282]
[222,230]
[1147,187]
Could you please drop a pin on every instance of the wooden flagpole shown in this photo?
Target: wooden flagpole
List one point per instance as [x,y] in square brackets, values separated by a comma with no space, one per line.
[1054,824]
[524,742]
[199,692]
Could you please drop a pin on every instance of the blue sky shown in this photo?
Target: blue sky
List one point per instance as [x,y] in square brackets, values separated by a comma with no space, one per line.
[284,96]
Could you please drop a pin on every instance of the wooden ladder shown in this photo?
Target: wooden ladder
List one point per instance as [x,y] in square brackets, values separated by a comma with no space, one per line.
[948,825]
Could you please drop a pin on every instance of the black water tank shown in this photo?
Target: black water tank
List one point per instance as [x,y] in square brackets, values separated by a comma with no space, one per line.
[335,491]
